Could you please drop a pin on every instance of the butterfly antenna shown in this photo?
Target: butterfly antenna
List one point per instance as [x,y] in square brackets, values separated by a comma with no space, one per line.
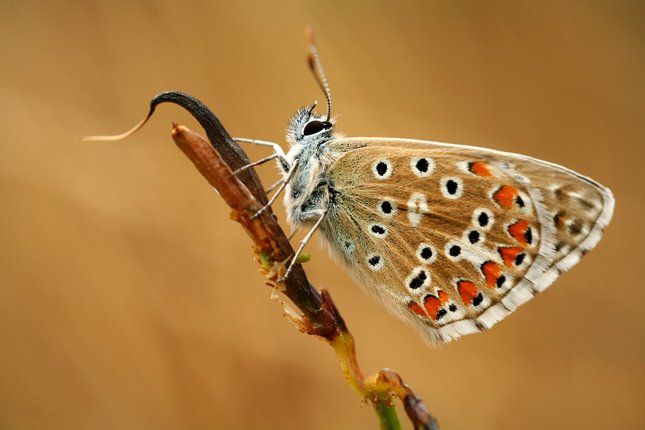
[316,68]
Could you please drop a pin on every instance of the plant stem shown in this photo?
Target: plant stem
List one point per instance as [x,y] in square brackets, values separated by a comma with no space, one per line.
[387,415]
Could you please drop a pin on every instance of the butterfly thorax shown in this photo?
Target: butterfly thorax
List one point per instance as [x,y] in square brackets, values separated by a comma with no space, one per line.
[309,191]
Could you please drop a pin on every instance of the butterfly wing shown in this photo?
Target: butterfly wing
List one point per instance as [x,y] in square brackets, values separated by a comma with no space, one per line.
[453,238]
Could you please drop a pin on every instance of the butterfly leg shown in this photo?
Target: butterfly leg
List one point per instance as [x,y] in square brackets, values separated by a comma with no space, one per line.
[256,163]
[303,243]
[274,185]
[278,153]
[285,181]
[293,233]
[277,150]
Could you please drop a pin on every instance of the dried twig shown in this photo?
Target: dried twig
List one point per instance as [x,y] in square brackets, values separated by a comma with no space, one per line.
[319,316]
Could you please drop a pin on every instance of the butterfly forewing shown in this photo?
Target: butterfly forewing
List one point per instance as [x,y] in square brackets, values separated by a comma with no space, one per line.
[453,238]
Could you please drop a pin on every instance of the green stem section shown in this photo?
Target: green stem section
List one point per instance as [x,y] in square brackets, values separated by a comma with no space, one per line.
[387,415]
[375,390]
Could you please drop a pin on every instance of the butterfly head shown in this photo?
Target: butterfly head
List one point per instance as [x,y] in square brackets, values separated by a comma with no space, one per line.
[307,128]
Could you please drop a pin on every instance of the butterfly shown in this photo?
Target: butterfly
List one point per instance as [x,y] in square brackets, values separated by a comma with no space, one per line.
[450,238]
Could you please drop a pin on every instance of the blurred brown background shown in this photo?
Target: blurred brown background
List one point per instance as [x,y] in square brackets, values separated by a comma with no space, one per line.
[129,300]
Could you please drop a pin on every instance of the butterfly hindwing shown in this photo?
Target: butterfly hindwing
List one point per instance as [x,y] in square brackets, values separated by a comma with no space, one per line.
[453,238]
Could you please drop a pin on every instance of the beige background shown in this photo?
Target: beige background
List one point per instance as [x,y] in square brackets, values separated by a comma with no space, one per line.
[129,300]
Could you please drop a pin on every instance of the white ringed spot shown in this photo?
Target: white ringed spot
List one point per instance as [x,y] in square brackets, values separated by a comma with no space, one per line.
[375,262]
[377,230]
[454,251]
[483,218]
[418,279]
[387,207]
[382,169]
[422,166]
[451,187]
[473,236]
[426,254]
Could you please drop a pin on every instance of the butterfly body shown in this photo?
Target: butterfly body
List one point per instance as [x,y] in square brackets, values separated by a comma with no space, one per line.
[450,238]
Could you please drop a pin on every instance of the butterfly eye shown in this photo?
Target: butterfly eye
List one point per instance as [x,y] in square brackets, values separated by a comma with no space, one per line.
[314,127]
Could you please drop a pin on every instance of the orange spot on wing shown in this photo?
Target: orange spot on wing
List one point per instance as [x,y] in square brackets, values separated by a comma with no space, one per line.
[418,310]
[509,253]
[468,291]
[443,296]
[492,272]
[518,231]
[505,196]
[433,303]
[479,169]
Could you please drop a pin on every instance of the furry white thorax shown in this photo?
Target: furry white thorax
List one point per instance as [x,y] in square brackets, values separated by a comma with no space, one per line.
[307,195]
